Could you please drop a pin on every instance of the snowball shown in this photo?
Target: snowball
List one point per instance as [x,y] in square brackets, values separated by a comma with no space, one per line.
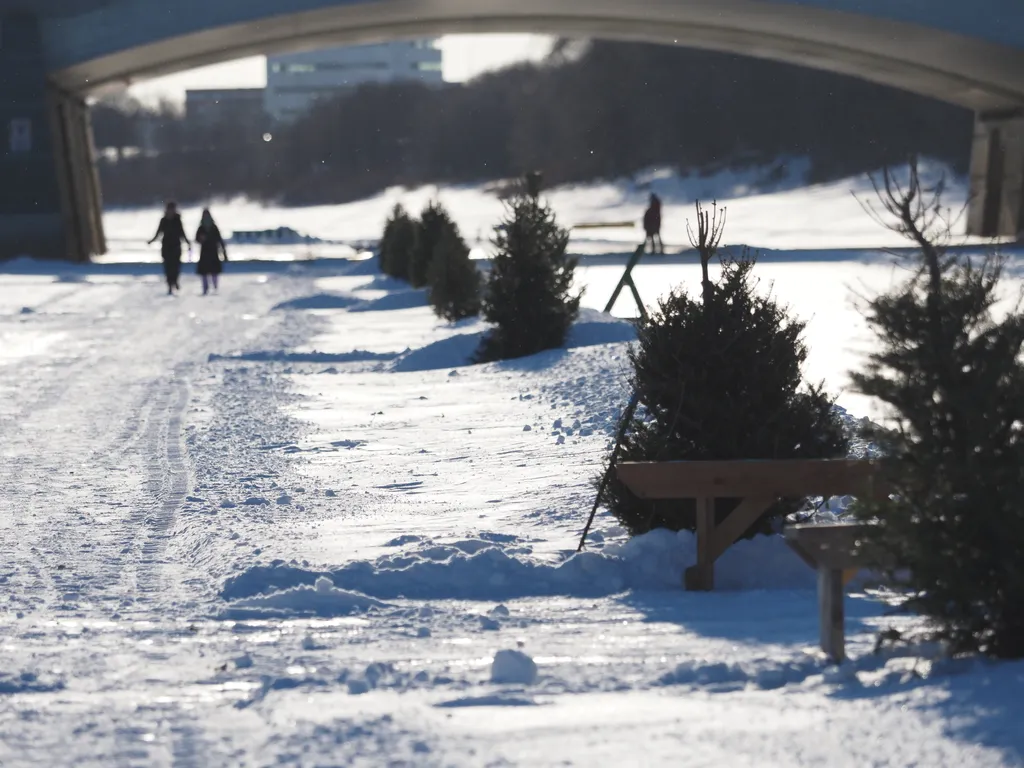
[513,667]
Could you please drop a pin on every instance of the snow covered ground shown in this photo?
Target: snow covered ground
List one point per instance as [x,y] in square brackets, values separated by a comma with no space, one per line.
[768,208]
[287,525]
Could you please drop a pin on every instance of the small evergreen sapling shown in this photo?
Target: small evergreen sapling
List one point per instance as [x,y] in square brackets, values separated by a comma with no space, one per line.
[398,244]
[434,223]
[454,279]
[951,375]
[719,377]
[529,296]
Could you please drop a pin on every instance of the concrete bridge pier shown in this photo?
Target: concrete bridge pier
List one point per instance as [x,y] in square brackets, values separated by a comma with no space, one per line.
[50,205]
[996,207]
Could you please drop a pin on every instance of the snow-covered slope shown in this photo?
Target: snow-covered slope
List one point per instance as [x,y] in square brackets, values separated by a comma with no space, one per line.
[765,210]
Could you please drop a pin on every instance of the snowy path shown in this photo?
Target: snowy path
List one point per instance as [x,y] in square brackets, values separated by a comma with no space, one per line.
[177,476]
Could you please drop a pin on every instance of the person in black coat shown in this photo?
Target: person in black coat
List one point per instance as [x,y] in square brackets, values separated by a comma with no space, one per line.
[173,232]
[652,225]
[211,246]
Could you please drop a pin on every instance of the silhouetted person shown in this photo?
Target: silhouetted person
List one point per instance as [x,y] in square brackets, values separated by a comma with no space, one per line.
[652,225]
[172,232]
[211,246]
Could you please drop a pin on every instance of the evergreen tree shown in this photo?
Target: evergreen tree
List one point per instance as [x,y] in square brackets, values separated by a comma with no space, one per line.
[454,279]
[434,223]
[398,243]
[719,377]
[951,376]
[529,295]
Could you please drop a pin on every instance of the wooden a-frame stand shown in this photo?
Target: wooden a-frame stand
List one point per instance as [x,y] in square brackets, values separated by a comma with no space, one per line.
[627,279]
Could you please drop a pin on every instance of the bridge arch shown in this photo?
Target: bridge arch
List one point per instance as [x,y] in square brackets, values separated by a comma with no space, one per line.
[971,54]
[974,59]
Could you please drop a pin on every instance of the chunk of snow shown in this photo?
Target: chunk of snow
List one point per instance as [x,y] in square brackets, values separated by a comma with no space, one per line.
[514,668]
[358,686]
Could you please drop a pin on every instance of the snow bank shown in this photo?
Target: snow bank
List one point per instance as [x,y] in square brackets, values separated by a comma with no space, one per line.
[488,568]
[452,352]
[283,356]
[320,301]
[322,599]
[763,673]
[590,329]
[409,298]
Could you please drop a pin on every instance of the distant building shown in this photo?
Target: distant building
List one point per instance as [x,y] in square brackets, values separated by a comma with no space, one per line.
[211,106]
[296,81]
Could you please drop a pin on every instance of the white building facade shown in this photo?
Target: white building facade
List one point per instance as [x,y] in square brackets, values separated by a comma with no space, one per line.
[296,81]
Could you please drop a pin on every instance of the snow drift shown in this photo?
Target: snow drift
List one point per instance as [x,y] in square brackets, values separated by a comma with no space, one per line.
[493,568]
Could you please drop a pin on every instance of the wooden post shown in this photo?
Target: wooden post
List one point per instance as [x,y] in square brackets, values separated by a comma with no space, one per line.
[701,577]
[831,612]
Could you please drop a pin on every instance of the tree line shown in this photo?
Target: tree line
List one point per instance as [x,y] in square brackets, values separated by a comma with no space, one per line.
[609,111]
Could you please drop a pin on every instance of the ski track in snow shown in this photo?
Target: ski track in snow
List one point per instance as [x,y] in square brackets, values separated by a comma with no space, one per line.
[239,530]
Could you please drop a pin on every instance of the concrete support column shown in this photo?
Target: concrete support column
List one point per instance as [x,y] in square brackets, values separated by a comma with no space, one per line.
[49,192]
[997,176]
[77,177]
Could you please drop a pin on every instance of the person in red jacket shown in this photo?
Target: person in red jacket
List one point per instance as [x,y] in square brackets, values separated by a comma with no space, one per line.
[652,225]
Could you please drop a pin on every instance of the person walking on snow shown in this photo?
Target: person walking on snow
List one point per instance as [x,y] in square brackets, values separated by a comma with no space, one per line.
[173,232]
[211,246]
[652,225]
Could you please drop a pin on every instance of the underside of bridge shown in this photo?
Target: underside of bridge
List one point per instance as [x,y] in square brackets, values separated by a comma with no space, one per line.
[50,197]
[56,209]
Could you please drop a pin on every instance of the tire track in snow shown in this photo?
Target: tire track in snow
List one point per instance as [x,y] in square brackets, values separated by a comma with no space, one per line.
[166,485]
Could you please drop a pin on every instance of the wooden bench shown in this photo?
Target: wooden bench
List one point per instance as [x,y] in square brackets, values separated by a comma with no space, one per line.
[757,483]
[834,551]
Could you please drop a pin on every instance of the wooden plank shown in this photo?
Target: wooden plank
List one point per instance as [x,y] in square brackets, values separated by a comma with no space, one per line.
[762,478]
[735,525]
[832,613]
[605,225]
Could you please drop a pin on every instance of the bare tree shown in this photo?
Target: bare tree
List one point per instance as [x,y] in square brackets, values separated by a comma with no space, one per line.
[709,235]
